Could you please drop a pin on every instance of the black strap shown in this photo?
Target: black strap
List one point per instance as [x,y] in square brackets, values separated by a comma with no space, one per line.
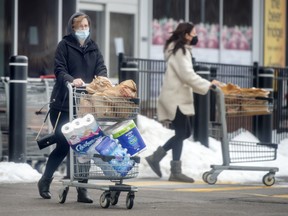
[40,110]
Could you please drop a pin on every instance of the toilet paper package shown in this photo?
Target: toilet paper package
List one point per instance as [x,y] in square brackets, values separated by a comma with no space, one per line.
[86,138]
[82,134]
[79,128]
[89,124]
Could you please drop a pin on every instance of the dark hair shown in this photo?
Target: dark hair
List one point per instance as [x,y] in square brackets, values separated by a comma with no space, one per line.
[178,36]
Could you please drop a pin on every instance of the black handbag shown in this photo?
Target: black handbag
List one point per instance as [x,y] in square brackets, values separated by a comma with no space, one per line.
[46,141]
[49,139]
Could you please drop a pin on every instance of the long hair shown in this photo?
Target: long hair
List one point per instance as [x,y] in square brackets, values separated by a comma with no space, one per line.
[178,36]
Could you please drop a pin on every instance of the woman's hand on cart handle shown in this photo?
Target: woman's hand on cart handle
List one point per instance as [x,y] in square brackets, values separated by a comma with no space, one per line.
[78,82]
[73,84]
[215,84]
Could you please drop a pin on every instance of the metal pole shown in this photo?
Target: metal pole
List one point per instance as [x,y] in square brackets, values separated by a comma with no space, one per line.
[255,120]
[17,108]
[213,75]
[265,122]
[121,63]
[129,70]
[201,118]
[15,28]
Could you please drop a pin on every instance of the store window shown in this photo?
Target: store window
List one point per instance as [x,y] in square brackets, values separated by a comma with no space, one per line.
[205,15]
[237,32]
[166,15]
[6,36]
[37,34]
[237,25]
[121,39]
[229,43]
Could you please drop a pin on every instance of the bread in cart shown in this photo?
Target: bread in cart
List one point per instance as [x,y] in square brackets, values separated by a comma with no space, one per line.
[245,101]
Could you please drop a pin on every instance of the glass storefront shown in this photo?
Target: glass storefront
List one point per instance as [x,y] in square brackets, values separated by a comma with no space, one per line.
[37,34]
[224,28]
[166,16]
[236,33]
[6,36]
[37,37]
[121,38]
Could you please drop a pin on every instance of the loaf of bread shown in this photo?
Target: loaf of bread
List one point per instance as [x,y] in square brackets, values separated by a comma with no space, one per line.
[245,101]
[126,88]
[232,101]
[102,105]
[99,84]
[85,107]
[252,103]
[108,101]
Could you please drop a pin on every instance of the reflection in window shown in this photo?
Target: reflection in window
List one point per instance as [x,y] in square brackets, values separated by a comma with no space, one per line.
[166,16]
[205,14]
[237,25]
[37,37]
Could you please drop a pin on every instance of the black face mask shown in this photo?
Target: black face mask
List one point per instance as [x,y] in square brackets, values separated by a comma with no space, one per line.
[194,41]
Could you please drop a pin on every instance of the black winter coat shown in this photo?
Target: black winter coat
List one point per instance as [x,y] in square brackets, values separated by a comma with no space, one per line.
[72,62]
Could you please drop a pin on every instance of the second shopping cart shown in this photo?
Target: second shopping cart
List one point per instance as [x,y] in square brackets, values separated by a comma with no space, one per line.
[239,106]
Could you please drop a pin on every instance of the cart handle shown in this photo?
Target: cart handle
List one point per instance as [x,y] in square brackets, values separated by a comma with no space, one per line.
[72,85]
[213,87]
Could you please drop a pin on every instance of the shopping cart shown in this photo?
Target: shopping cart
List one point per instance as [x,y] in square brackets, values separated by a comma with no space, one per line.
[4,107]
[108,112]
[38,97]
[234,151]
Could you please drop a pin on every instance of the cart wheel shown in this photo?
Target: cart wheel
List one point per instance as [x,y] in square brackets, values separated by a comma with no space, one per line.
[210,179]
[63,194]
[268,179]
[114,197]
[130,200]
[204,176]
[105,199]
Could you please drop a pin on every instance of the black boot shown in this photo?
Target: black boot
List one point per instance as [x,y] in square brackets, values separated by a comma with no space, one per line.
[43,187]
[176,173]
[83,194]
[154,160]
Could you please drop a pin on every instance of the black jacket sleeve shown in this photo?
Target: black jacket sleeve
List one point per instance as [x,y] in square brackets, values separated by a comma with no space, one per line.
[100,69]
[61,63]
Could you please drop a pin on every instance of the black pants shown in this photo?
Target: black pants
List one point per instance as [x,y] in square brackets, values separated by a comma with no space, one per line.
[182,125]
[62,147]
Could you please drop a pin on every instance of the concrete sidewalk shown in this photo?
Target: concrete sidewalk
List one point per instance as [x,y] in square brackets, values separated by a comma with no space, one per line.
[154,197]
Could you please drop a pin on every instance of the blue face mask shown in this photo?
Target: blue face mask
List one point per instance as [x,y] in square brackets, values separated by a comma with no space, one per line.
[82,34]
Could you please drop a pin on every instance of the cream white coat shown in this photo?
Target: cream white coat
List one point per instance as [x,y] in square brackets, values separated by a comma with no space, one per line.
[179,83]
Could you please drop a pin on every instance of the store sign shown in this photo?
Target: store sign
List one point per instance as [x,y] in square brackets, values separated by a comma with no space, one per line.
[275,33]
